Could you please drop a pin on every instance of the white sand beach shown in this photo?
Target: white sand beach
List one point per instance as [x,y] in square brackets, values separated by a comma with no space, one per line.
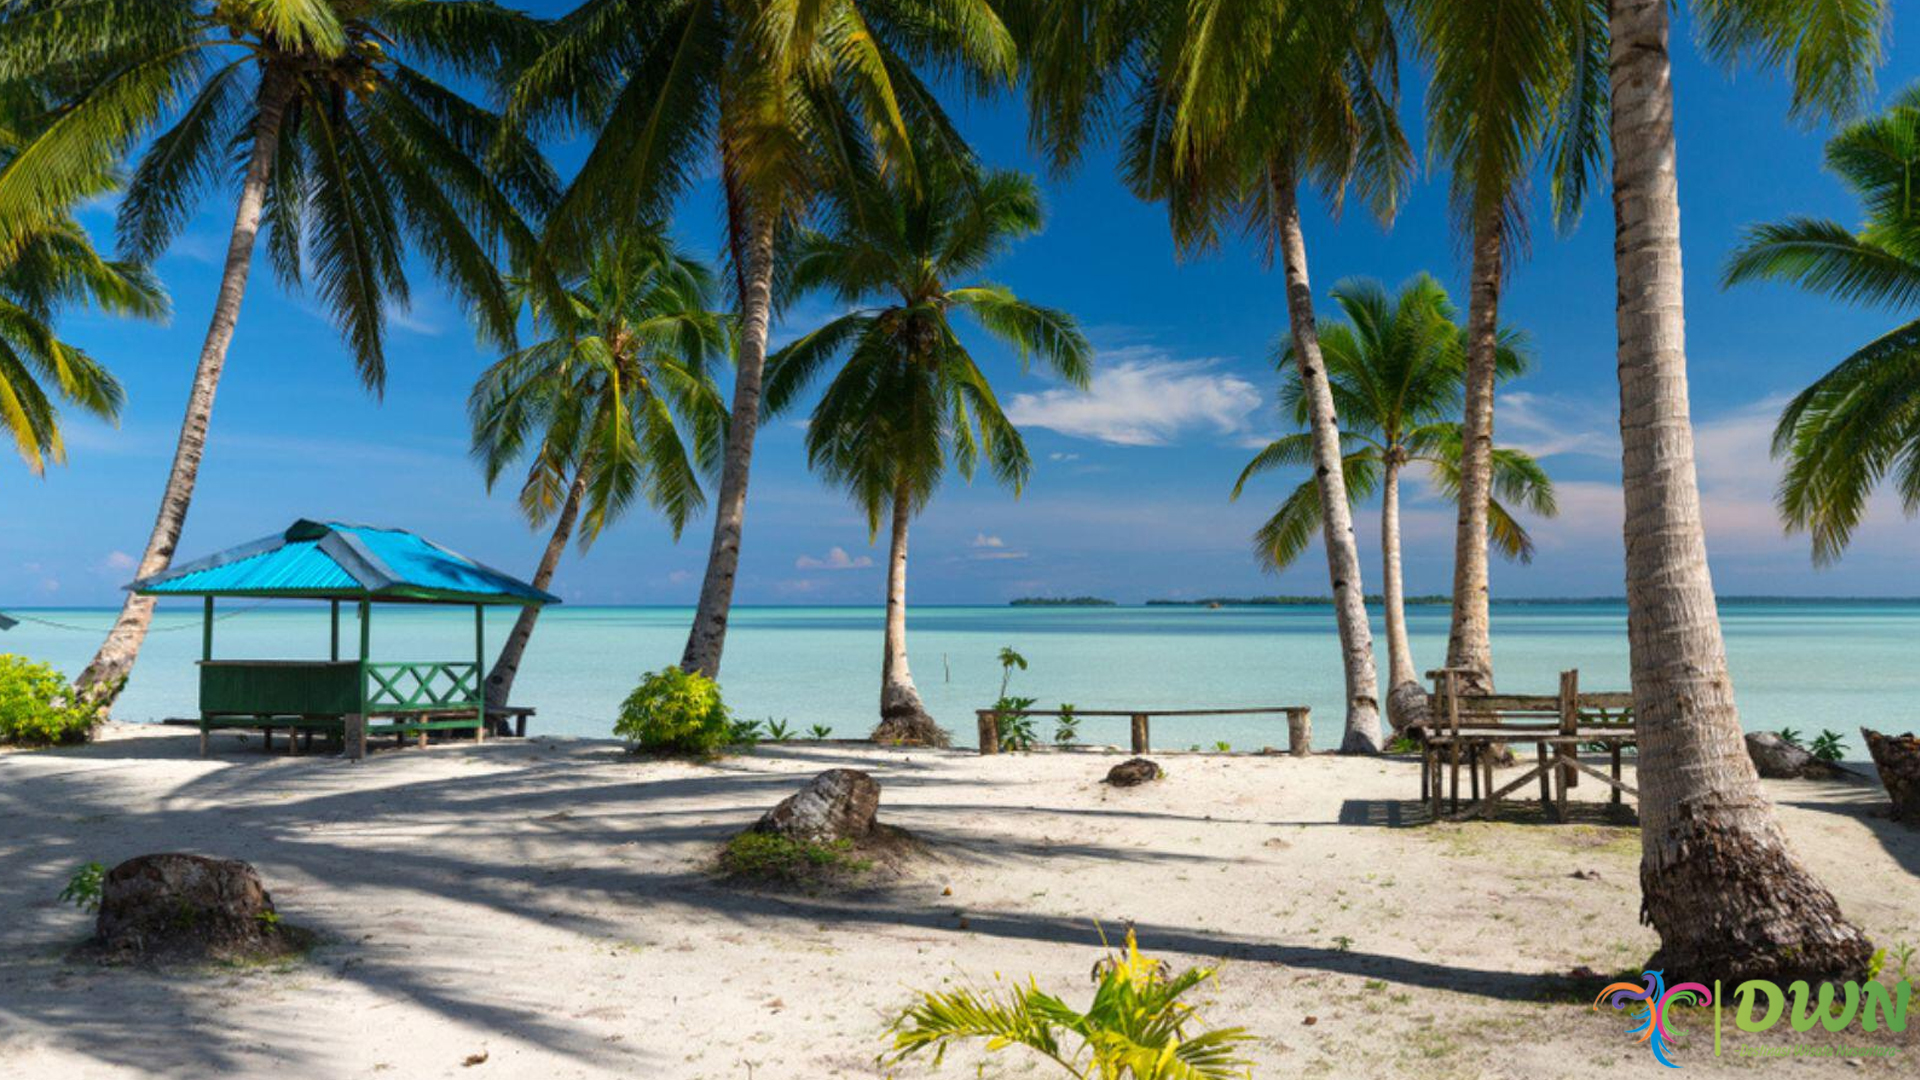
[545,909]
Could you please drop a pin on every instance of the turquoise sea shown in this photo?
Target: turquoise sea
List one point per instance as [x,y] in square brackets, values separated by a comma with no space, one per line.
[1808,665]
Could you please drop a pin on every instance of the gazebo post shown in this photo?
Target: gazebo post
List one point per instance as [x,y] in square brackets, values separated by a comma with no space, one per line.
[355,726]
[206,653]
[335,605]
[480,670]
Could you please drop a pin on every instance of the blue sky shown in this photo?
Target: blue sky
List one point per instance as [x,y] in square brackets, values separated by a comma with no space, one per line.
[1128,497]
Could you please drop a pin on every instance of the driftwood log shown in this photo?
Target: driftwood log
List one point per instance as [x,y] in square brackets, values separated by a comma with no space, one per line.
[1898,759]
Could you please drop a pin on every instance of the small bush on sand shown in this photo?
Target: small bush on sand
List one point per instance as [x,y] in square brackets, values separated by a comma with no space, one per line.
[83,888]
[1136,1028]
[37,707]
[675,712]
[774,857]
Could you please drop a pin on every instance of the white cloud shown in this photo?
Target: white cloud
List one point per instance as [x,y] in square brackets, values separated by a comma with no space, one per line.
[418,319]
[982,540]
[1056,456]
[1548,424]
[1139,397]
[837,559]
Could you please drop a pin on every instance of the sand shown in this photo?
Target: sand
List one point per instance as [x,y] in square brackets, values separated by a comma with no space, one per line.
[546,909]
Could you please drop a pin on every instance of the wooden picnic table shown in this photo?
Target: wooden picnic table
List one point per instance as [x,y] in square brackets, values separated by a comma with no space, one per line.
[1470,729]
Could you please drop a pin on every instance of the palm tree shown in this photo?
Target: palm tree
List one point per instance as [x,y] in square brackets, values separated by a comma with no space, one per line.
[1228,110]
[45,268]
[1396,367]
[1515,84]
[1855,424]
[48,271]
[339,145]
[785,96]
[909,397]
[603,408]
[1718,881]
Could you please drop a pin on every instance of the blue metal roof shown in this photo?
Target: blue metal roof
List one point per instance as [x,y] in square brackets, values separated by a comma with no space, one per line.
[343,562]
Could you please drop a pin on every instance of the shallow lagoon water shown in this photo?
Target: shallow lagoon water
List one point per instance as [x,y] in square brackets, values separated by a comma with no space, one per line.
[1805,665]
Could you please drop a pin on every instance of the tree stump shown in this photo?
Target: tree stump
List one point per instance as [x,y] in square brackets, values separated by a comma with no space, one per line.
[1778,759]
[187,907]
[1897,757]
[1133,772]
[839,804]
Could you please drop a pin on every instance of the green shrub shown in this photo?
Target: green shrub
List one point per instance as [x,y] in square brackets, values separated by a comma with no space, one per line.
[37,706]
[775,857]
[1066,729]
[83,888]
[1137,1027]
[1830,747]
[675,712]
[1016,732]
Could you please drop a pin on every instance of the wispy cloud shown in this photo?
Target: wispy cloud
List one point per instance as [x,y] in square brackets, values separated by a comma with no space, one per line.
[1141,397]
[837,559]
[982,540]
[1548,424]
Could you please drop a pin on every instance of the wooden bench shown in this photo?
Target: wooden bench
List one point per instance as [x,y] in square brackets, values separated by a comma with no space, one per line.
[1469,729]
[301,729]
[1299,723]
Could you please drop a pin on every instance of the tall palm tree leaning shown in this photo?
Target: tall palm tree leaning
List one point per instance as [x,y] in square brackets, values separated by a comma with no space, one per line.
[785,96]
[1515,84]
[1396,366]
[1717,879]
[908,395]
[615,403]
[339,145]
[47,267]
[1855,424]
[1228,110]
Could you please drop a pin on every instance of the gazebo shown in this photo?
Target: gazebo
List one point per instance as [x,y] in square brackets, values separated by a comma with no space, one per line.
[344,564]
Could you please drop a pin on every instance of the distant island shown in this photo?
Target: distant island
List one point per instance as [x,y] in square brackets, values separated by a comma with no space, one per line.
[1063,601]
[1285,601]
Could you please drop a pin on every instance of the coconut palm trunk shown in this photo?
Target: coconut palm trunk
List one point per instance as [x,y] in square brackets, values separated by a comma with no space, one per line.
[1343,551]
[507,665]
[107,674]
[1402,680]
[902,716]
[1469,638]
[708,636]
[1717,879]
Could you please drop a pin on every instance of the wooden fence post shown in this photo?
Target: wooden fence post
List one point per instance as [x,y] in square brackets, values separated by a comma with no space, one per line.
[989,731]
[355,736]
[1139,733]
[1299,732]
[1569,725]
